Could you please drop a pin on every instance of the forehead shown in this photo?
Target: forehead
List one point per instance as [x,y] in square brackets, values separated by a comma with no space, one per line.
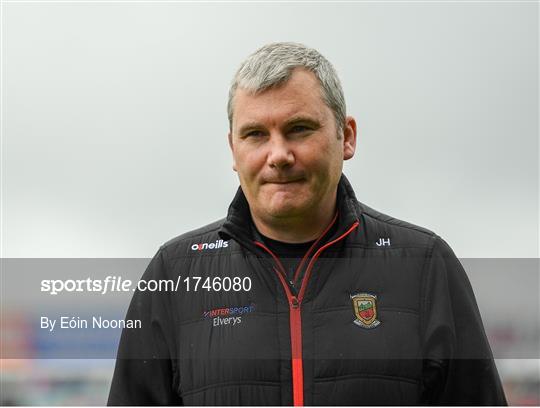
[300,95]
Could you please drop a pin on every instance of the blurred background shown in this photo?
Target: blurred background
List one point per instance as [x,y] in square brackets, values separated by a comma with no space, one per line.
[113,138]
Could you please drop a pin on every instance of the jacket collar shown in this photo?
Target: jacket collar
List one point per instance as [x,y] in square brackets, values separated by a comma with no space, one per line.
[239,226]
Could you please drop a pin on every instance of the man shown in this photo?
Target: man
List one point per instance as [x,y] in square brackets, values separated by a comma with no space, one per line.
[320,300]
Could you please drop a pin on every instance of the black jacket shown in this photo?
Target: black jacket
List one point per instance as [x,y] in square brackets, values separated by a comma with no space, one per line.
[381,313]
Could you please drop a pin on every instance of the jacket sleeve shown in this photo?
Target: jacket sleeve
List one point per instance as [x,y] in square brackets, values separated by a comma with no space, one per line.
[458,366]
[145,372]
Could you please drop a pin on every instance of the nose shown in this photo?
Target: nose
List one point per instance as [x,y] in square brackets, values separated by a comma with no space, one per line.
[280,154]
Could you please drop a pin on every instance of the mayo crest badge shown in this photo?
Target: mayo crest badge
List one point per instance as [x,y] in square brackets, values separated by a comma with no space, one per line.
[365,310]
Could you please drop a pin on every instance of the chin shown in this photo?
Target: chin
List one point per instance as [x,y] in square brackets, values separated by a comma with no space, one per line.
[285,210]
[282,205]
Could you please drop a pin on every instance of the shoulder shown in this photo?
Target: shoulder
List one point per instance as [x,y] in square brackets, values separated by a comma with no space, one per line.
[202,238]
[382,228]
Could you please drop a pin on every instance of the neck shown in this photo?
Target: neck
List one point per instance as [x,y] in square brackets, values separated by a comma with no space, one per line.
[297,229]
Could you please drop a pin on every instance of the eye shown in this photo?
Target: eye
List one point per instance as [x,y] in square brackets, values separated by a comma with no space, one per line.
[255,133]
[299,128]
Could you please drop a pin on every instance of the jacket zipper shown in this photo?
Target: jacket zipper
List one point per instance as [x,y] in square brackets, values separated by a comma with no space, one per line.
[319,251]
[306,255]
[295,322]
[295,317]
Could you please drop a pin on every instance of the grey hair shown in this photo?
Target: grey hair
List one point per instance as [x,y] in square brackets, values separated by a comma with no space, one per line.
[272,65]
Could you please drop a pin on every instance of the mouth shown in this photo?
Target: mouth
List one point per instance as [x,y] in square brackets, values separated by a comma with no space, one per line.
[281,182]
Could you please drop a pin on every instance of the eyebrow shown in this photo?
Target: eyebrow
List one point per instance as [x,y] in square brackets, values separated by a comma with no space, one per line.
[292,121]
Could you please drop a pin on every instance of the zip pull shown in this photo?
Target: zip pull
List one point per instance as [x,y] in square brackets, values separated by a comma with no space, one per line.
[294,302]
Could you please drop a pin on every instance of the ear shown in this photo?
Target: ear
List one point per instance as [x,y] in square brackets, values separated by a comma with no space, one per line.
[229,136]
[349,138]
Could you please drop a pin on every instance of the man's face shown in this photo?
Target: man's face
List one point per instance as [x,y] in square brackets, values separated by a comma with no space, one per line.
[285,148]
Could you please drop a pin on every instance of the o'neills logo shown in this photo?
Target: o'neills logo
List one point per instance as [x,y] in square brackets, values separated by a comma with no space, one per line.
[210,245]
